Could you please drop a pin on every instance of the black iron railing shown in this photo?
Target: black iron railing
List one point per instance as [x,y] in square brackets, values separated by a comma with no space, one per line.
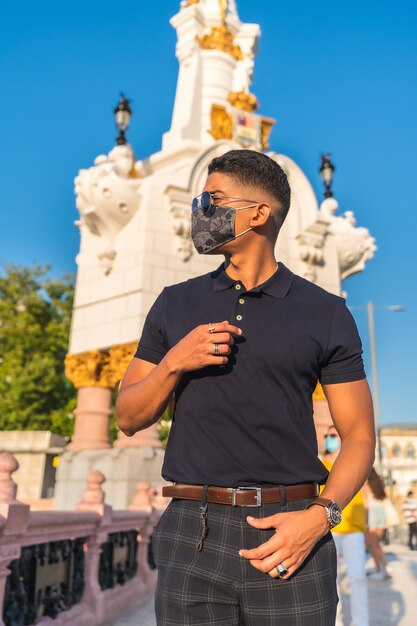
[47,579]
[118,559]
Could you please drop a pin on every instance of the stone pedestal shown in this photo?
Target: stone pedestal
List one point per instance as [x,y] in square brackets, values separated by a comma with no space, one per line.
[95,374]
[122,468]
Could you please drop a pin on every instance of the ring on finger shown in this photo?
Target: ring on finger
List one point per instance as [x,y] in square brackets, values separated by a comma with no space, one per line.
[282,570]
[216,349]
[211,328]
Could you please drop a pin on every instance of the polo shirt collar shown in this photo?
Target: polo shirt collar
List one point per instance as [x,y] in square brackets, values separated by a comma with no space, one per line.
[276,285]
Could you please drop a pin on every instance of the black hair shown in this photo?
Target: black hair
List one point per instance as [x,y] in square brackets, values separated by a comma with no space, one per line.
[256,169]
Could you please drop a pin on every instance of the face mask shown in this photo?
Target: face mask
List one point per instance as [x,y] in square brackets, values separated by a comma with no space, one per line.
[332,444]
[213,230]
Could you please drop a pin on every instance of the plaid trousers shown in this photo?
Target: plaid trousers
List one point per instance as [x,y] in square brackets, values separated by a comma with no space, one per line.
[217,587]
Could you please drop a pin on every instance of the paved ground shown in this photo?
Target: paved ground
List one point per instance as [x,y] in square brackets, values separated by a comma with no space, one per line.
[392,602]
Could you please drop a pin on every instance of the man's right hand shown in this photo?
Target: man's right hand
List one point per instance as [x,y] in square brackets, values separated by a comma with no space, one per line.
[196,350]
[147,388]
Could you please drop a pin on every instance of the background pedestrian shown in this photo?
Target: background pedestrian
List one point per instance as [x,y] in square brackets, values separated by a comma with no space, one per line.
[349,537]
[410,516]
[375,495]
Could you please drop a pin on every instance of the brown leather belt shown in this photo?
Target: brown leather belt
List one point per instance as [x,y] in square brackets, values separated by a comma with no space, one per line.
[242,496]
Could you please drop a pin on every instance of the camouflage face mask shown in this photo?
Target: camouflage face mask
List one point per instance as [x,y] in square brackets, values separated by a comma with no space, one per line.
[213,225]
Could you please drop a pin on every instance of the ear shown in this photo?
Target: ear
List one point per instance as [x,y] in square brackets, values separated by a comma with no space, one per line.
[261,214]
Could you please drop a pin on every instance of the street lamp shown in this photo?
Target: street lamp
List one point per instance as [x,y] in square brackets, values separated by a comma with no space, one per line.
[326,172]
[371,308]
[122,114]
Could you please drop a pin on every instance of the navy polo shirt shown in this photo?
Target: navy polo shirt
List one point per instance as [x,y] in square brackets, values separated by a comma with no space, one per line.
[251,421]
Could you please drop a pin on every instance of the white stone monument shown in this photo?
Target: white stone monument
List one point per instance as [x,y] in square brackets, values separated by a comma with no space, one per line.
[135,237]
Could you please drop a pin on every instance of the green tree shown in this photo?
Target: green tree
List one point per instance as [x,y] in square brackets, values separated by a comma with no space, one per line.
[164,426]
[35,315]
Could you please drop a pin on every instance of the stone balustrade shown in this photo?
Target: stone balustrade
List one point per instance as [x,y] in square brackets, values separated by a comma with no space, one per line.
[80,567]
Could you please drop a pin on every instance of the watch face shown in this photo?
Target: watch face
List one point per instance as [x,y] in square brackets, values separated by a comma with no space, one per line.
[335,513]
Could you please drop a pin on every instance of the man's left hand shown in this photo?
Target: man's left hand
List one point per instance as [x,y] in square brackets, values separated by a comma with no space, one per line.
[296,534]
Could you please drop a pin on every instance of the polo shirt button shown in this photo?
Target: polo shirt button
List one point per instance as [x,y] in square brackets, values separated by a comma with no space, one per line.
[238,286]
[241,301]
[238,317]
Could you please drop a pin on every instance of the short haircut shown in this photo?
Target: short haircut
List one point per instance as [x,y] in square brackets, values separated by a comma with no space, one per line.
[256,169]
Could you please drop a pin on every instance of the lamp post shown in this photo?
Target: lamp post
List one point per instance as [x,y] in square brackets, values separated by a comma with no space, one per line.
[326,172]
[122,114]
[371,308]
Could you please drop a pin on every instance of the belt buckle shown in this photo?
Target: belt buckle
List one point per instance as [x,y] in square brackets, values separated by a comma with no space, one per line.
[258,495]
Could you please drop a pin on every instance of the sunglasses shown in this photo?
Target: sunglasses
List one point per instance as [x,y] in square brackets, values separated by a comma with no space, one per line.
[205,202]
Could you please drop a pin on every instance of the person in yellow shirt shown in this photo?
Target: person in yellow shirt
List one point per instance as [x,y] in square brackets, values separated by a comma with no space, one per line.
[349,537]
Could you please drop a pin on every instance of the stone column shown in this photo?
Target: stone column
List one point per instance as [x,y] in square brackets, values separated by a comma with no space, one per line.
[95,374]
[92,417]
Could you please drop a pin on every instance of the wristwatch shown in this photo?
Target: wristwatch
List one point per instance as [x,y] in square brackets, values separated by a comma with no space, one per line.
[333,510]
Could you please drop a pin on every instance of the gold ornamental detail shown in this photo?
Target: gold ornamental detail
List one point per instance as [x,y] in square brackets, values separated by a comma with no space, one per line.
[188,3]
[221,38]
[266,127]
[120,357]
[318,393]
[244,101]
[221,123]
[99,368]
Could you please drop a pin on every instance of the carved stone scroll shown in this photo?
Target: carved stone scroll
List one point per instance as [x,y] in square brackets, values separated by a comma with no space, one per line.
[179,202]
[107,198]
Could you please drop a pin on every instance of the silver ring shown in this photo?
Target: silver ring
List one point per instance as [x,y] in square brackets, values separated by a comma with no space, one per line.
[211,328]
[216,349]
[282,570]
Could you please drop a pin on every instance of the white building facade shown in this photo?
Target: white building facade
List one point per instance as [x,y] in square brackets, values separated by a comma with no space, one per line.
[399,456]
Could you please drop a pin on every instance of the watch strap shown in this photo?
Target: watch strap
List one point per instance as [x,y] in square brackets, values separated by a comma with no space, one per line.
[324,502]
[332,509]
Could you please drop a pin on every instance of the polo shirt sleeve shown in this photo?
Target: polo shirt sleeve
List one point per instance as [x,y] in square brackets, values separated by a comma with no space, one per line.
[152,345]
[342,361]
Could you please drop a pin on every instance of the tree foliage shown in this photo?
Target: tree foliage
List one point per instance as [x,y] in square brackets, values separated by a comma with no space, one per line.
[164,426]
[35,315]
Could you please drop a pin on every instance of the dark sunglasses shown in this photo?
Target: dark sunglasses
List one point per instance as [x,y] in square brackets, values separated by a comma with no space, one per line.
[205,202]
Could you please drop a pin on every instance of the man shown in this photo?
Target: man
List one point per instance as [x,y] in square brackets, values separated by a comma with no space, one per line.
[242,348]
[349,538]
[410,516]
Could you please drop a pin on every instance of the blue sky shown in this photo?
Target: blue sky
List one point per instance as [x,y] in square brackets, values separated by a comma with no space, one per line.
[338,77]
